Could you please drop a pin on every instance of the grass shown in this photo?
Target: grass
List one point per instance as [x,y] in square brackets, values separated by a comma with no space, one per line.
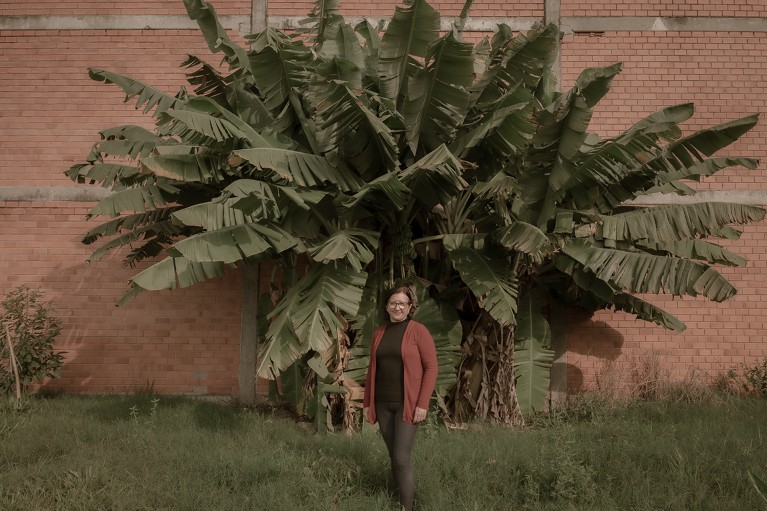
[149,452]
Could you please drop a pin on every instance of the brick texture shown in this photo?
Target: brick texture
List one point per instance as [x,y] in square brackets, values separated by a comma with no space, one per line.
[447,8]
[187,341]
[722,74]
[184,342]
[692,8]
[113,7]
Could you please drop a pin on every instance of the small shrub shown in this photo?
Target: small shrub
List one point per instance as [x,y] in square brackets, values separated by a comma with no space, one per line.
[753,379]
[33,330]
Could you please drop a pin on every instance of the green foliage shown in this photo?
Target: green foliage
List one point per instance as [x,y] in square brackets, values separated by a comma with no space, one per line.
[33,329]
[759,484]
[197,454]
[356,158]
[752,379]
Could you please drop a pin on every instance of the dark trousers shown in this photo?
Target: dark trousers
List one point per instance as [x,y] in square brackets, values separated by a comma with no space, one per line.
[399,437]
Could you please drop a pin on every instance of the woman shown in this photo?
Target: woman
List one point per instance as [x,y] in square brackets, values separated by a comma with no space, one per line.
[400,380]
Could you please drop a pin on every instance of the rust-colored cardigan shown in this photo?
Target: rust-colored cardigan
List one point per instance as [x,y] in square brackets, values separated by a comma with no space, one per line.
[419,358]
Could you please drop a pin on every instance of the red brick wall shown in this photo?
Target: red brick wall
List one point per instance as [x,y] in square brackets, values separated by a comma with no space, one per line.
[188,341]
[700,8]
[447,8]
[719,336]
[723,74]
[113,7]
[54,111]
[183,342]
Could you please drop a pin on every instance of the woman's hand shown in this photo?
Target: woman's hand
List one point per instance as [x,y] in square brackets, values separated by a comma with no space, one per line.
[419,415]
[365,413]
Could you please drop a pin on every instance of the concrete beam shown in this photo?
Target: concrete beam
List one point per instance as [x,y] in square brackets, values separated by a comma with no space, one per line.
[753,197]
[53,193]
[95,194]
[661,24]
[473,24]
[117,22]
[258,19]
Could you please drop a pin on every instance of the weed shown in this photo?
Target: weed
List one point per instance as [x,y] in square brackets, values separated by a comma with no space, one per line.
[206,455]
[28,330]
[752,379]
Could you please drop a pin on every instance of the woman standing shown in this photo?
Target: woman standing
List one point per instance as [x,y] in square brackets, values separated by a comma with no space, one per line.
[400,380]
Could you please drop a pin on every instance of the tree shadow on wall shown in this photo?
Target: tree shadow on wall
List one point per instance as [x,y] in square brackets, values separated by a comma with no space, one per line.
[588,338]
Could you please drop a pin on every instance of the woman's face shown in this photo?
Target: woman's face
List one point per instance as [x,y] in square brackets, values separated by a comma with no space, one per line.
[398,307]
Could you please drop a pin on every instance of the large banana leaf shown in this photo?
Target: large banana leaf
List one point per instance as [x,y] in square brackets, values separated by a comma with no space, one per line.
[489,276]
[347,128]
[682,159]
[571,118]
[207,80]
[279,64]
[301,169]
[369,33]
[435,178]
[157,233]
[558,140]
[645,273]
[707,167]
[646,311]
[707,141]
[215,215]
[530,55]
[410,32]
[676,222]
[143,199]
[525,238]
[445,328]
[190,166]
[328,290]
[128,222]
[612,161]
[437,98]
[126,141]
[148,97]
[215,35]
[176,272]
[385,193]
[354,245]
[235,243]
[110,175]
[247,104]
[340,44]
[308,316]
[506,128]
[695,249]
[197,127]
[268,200]
[532,356]
[316,25]
[283,347]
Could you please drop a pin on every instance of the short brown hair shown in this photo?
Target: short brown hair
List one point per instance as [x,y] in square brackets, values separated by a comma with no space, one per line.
[406,290]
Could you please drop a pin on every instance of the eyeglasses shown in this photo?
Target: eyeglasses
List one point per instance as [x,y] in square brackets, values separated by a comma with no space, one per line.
[397,305]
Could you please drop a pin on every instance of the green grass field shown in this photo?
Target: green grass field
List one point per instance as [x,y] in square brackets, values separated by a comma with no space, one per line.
[147,452]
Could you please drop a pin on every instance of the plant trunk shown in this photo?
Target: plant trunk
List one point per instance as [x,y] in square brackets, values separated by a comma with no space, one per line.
[14,364]
[486,384]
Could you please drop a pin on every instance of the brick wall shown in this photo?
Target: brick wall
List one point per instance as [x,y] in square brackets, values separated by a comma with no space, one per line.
[184,342]
[722,73]
[187,341]
[112,7]
[697,8]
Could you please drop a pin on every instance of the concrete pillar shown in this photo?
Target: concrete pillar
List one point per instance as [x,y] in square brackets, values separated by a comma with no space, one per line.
[557,316]
[250,278]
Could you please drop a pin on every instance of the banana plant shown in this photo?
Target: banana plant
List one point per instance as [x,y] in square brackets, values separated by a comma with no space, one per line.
[353,158]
